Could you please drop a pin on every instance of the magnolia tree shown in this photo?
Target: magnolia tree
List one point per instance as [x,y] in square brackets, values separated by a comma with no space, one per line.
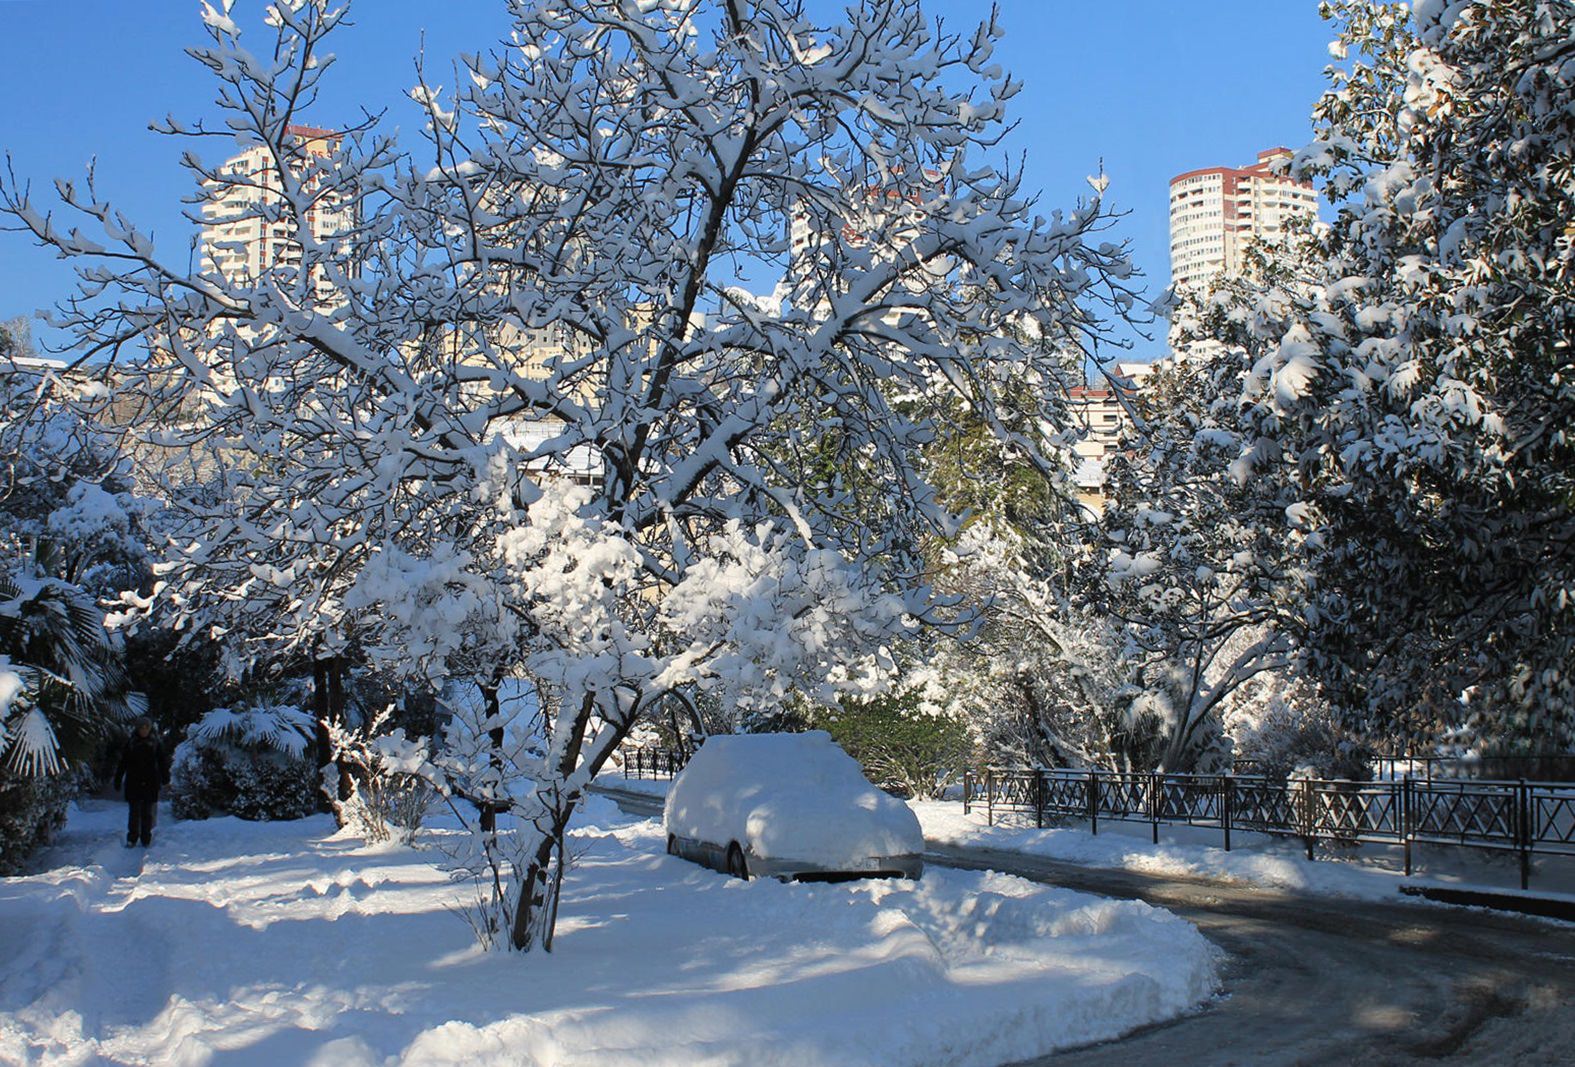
[536,392]
[1406,381]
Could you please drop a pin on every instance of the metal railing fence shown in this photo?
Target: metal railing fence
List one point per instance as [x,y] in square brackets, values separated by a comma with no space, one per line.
[1527,818]
[651,762]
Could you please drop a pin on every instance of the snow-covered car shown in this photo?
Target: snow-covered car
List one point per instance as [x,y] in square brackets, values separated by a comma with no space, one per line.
[792,806]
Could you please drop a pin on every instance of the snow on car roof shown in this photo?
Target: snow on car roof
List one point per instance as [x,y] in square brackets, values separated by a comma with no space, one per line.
[788,796]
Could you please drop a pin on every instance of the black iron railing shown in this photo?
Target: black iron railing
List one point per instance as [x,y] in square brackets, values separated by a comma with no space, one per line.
[1528,818]
[652,762]
[1548,767]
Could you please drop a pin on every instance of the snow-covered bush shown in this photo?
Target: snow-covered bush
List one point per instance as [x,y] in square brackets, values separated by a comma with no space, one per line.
[1279,723]
[255,763]
[389,776]
[61,676]
[32,810]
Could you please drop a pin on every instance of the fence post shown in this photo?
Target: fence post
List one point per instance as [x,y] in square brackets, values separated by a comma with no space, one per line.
[1154,787]
[1407,826]
[1523,807]
[1093,801]
[1225,806]
[989,795]
[1039,798]
[967,789]
[1307,815]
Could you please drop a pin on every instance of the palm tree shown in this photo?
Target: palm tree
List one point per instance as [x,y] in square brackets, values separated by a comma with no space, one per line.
[61,677]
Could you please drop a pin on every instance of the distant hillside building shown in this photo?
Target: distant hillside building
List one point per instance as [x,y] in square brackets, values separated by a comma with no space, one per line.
[242,237]
[1216,212]
[1100,412]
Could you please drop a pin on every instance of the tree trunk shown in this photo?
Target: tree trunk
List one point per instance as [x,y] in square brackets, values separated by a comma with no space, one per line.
[1178,757]
[336,708]
[320,711]
[536,908]
[488,811]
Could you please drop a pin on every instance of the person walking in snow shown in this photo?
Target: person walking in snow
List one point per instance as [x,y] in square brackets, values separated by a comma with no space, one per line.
[143,768]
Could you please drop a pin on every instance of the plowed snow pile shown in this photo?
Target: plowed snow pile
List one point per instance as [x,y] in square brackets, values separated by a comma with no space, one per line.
[243,943]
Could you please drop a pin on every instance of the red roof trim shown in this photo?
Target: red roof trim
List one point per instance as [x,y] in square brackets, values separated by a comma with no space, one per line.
[1259,169]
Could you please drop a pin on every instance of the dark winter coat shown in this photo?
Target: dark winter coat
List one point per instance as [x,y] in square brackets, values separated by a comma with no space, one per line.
[144,767]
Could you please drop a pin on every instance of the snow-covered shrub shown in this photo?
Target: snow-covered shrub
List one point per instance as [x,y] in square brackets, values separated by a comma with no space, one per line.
[255,763]
[32,810]
[389,776]
[61,678]
[1280,725]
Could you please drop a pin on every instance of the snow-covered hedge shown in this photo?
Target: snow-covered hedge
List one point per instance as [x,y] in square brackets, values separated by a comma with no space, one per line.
[255,763]
[32,810]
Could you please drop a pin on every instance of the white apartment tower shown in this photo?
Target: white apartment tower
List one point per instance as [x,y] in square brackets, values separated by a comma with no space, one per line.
[239,238]
[1217,211]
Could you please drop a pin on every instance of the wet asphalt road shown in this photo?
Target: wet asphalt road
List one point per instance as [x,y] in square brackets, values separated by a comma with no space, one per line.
[1311,980]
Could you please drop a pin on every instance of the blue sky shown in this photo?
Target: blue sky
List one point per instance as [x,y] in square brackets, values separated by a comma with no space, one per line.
[1151,87]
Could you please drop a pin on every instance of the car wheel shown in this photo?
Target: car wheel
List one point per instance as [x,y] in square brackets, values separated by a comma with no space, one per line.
[736,866]
[672,844]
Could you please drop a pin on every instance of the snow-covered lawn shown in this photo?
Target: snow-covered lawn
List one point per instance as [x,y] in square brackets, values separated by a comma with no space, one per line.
[246,943]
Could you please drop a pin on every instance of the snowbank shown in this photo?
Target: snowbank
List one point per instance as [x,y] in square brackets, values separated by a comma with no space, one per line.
[1369,872]
[281,943]
[788,796]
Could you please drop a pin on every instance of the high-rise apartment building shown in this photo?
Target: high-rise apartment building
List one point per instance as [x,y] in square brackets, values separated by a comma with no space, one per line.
[878,220]
[239,238]
[1217,211]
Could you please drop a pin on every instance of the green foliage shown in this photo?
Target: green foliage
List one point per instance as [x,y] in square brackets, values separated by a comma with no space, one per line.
[903,748]
[32,811]
[977,472]
[1408,379]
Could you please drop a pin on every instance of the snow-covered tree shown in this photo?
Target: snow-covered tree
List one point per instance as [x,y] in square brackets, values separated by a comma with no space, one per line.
[1202,583]
[69,532]
[1408,379]
[568,258]
[1039,678]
